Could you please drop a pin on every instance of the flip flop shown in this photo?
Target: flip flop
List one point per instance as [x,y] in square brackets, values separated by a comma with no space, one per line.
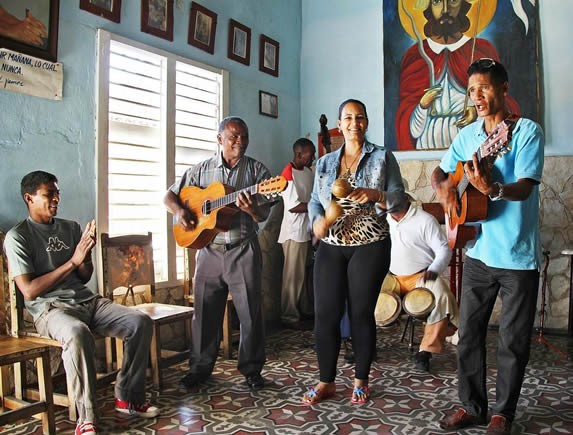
[360,394]
[316,395]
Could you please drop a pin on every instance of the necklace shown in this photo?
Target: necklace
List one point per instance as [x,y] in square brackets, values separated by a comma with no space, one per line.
[348,173]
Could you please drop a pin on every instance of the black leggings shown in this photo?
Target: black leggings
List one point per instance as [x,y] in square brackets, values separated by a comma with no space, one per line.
[353,273]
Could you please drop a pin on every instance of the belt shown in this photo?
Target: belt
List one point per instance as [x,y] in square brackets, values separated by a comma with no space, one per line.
[228,246]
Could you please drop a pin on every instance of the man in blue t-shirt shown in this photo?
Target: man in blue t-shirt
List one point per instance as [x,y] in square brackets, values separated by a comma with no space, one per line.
[50,261]
[505,257]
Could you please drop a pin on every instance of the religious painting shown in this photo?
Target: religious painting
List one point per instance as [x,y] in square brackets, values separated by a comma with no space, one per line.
[428,47]
[30,27]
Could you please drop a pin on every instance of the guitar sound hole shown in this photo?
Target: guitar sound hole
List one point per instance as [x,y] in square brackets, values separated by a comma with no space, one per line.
[206,207]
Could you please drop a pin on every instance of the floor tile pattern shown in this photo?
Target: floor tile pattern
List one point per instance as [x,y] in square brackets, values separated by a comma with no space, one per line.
[404,400]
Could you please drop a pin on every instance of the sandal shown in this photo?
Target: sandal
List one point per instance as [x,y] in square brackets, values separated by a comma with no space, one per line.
[315,395]
[360,394]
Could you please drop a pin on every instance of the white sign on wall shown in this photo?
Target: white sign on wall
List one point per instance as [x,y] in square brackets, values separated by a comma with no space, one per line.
[30,75]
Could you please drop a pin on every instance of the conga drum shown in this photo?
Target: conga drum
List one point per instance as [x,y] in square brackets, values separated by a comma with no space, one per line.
[419,302]
[388,308]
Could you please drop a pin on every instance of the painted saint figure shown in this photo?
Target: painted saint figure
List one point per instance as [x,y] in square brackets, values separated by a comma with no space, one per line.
[433,75]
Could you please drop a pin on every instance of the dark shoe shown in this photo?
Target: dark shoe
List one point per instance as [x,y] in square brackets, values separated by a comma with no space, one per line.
[499,425]
[460,419]
[422,360]
[191,380]
[348,351]
[255,382]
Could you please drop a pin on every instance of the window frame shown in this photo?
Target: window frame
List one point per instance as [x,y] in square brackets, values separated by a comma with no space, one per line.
[104,39]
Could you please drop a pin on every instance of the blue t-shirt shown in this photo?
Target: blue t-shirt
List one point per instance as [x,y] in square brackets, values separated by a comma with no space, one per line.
[509,238]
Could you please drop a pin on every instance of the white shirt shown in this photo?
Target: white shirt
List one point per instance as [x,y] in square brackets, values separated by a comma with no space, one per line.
[418,243]
[295,226]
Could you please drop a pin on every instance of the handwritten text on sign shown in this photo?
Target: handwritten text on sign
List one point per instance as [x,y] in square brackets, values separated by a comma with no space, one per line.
[30,75]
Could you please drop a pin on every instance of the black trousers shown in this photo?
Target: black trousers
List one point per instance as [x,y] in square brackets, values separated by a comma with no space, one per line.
[518,292]
[353,274]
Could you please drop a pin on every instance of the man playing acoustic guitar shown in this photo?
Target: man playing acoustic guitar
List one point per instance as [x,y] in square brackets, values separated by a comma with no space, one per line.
[231,262]
[506,255]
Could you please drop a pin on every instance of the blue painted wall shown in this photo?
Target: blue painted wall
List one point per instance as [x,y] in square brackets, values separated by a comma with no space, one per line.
[59,136]
[342,55]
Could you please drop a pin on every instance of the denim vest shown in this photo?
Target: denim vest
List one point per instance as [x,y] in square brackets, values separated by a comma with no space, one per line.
[377,169]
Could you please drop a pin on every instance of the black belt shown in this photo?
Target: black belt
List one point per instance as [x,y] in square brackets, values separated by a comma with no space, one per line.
[228,246]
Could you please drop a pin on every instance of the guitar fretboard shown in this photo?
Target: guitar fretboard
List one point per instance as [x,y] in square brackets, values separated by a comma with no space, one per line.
[209,206]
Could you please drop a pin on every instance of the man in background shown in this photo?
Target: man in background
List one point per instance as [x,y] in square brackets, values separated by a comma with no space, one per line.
[295,235]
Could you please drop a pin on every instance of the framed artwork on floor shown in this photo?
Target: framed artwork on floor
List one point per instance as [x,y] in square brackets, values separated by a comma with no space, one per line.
[157,18]
[239,42]
[30,27]
[110,9]
[202,26]
[269,56]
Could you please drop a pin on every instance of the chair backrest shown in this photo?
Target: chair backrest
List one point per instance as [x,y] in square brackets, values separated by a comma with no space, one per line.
[128,263]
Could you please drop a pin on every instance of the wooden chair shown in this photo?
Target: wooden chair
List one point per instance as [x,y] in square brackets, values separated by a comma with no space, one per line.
[228,336]
[16,351]
[21,327]
[128,266]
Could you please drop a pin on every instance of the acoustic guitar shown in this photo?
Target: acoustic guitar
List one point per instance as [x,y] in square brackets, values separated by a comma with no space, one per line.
[211,211]
[472,204]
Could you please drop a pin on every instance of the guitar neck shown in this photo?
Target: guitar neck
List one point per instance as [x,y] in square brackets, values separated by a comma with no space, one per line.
[490,147]
[231,198]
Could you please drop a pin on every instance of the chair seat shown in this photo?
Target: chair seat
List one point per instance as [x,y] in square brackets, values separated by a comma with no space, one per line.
[158,311]
[19,349]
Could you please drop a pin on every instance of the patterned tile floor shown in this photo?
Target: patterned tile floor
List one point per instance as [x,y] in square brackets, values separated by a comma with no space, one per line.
[404,401]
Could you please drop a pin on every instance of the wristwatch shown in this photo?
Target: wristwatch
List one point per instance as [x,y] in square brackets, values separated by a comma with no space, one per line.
[499,193]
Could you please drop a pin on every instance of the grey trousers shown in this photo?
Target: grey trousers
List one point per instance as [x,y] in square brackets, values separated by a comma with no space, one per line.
[237,271]
[74,325]
[294,300]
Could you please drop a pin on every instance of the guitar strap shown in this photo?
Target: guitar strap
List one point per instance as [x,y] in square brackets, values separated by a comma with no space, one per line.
[240,184]
[510,121]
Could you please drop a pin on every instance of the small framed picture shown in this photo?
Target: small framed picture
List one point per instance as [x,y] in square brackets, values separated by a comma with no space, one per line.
[268,104]
[202,26]
[239,43]
[110,9]
[157,18]
[269,56]
[30,27]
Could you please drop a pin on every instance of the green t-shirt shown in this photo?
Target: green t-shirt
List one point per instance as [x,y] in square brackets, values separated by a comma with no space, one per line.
[33,248]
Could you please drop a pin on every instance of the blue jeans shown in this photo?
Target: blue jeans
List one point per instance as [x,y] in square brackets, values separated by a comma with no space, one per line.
[518,292]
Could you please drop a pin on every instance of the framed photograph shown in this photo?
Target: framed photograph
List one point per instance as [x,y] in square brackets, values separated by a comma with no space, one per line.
[269,56]
[268,104]
[157,18]
[30,27]
[239,43]
[202,26]
[110,9]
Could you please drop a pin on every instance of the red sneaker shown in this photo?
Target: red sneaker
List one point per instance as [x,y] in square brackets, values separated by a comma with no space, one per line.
[144,410]
[86,428]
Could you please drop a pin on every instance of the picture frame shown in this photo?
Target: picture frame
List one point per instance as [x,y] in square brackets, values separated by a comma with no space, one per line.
[239,42]
[202,26]
[109,9]
[43,43]
[268,104]
[157,18]
[269,56]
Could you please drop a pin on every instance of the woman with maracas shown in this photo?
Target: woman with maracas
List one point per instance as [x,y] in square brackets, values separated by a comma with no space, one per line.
[354,187]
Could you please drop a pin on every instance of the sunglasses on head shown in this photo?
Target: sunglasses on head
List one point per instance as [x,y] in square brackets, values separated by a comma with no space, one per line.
[484,62]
